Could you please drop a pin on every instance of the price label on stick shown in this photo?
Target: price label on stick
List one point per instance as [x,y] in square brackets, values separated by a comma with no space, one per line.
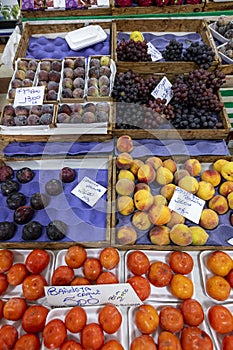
[89,191]
[186,204]
[163,90]
[29,96]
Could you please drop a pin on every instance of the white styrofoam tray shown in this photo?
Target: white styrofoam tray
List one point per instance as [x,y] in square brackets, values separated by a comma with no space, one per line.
[157,293]
[217,35]
[85,36]
[223,56]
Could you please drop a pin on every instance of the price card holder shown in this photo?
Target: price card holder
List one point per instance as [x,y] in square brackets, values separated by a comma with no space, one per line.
[29,96]
[186,204]
[121,294]
[163,90]
[89,191]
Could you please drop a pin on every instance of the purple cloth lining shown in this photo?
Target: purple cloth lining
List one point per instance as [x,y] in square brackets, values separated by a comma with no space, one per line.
[42,47]
[57,148]
[83,222]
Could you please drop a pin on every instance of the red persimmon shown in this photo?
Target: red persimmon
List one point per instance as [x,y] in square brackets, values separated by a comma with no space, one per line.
[92,268]
[138,262]
[109,258]
[220,319]
[192,312]
[28,341]
[37,260]
[71,345]
[33,287]
[16,274]
[34,318]
[75,319]
[75,256]
[54,333]
[141,286]
[171,319]
[110,318]
[92,336]
[8,337]
[181,262]
[14,309]
[3,283]
[62,276]
[6,260]
[194,338]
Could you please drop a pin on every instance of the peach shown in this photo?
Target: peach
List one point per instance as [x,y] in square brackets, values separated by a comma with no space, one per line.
[125,205]
[181,235]
[209,219]
[170,164]
[125,174]
[230,200]
[125,187]
[137,163]
[179,174]
[124,161]
[143,200]
[199,235]
[189,184]
[164,176]
[212,176]
[219,163]
[167,191]
[227,171]
[125,144]
[159,214]
[141,186]
[126,235]
[141,220]
[160,199]
[176,218]
[146,173]
[205,190]
[159,235]
[193,166]
[225,188]
[156,162]
[219,204]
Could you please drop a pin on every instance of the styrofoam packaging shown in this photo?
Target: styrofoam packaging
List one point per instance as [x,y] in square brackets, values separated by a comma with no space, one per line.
[206,273]
[217,35]
[85,36]
[157,293]
[91,253]
[20,256]
[224,57]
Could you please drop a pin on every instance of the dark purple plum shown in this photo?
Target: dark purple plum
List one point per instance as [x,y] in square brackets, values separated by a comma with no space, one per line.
[20,74]
[78,83]
[33,119]
[89,117]
[69,63]
[8,120]
[95,62]
[32,65]
[102,116]
[39,201]
[36,110]
[75,118]
[102,106]
[27,83]
[6,172]
[42,83]
[94,72]
[52,85]
[54,76]
[51,95]
[16,83]
[30,74]
[56,65]
[79,62]
[54,187]
[43,75]
[9,110]
[104,70]
[89,107]
[46,119]
[104,90]
[23,215]
[21,120]
[47,109]
[22,65]
[67,174]
[67,83]
[7,230]
[78,93]
[21,110]
[92,82]
[25,175]
[63,118]
[56,230]
[9,186]
[64,108]
[45,65]
[32,230]
[67,93]
[103,80]
[68,73]
[77,107]
[11,93]
[79,72]
[93,91]
[15,200]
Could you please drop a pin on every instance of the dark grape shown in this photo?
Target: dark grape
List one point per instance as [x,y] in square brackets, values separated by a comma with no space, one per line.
[173,51]
[39,200]
[56,230]
[32,230]
[130,50]
[201,54]
[25,175]
[9,186]
[7,230]
[15,200]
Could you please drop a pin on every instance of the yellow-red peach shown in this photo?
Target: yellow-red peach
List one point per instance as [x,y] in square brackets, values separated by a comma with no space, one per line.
[225,188]
[137,163]
[164,176]
[189,184]
[193,166]
[125,187]
[143,200]
[156,162]
[205,190]
[125,143]
[170,164]
[124,161]
[219,204]
[176,218]
[159,235]
[125,205]
[209,219]
[141,220]
[159,214]
[167,191]
[126,235]
[181,235]
[146,173]
[212,176]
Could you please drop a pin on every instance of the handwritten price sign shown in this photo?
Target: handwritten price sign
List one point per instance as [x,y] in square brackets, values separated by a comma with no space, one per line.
[89,191]
[29,96]
[163,90]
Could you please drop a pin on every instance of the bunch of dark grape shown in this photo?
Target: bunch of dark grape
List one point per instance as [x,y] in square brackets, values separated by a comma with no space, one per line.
[173,51]
[180,90]
[130,50]
[201,54]
[194,118]
[166,111]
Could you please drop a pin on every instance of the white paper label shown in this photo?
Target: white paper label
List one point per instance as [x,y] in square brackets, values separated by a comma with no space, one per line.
[89,191]
[59,3]
[155,53]
[121,294]
[29,96]
[186,204]
[230,241]
[163,90]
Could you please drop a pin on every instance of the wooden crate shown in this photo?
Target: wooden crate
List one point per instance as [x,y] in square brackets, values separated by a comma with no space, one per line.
[43,167]
[31,29]
[170,25]
[136,10]
[185,134]
[211,6]
[101,11]
[120,220]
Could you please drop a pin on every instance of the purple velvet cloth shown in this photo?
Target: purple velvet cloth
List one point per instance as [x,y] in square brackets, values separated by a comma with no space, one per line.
[42,47]
[84,224]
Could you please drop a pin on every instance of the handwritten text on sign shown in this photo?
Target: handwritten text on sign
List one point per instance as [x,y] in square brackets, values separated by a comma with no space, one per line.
[186,204]
[89,191]
[121,294]
[29,96]
[163,90]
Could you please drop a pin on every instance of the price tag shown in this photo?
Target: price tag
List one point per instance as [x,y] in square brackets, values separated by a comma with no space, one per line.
[121,294]
[89,191]
[29,96]
[155,53]
[163,90]
[59,3]
[186,204]
[230,241]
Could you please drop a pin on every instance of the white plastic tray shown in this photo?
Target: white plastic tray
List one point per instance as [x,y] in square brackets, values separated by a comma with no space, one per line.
[85,36]
[224,57]
[20,257]
[92,316]
[206,273]
[217,35]
[91,253]
[158,293]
